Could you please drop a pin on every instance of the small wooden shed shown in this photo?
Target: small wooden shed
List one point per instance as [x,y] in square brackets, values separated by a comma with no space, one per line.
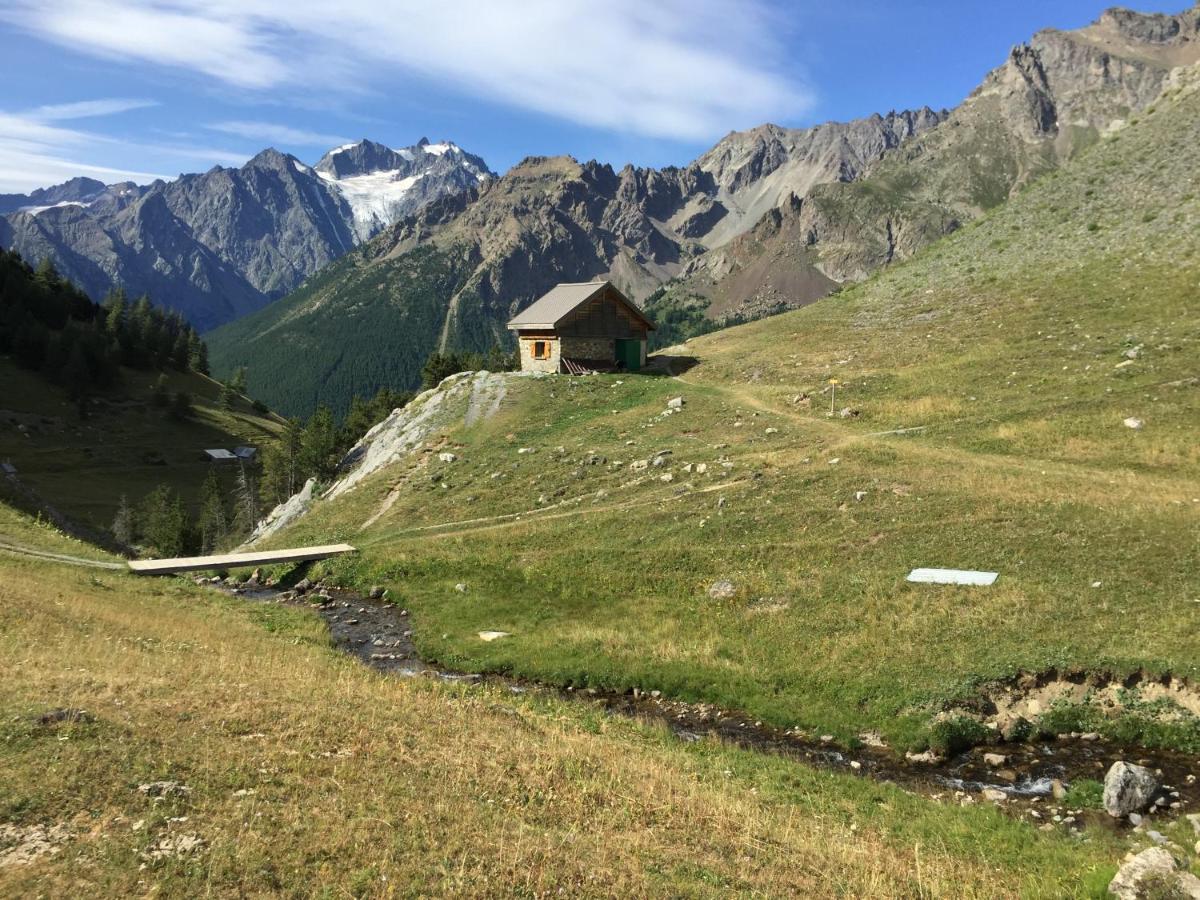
[589,326]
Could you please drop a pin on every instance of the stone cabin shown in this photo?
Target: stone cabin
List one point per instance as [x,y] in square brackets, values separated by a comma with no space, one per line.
[589,326]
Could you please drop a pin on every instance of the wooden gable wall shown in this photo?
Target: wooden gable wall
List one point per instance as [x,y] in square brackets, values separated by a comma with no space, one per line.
[603,316]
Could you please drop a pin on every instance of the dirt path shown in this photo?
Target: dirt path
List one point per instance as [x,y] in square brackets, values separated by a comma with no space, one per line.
[544,513]
[62,557]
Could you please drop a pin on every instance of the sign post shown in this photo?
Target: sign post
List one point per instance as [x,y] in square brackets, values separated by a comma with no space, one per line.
[832,394]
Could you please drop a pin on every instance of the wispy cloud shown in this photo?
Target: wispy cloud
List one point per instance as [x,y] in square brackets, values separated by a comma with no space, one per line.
[36,154]
[686,69]
[271,132]
[85,109]
[36,151]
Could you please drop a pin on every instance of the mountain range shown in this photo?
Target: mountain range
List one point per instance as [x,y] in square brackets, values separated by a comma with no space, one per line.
[444,251]
[769,218]
[224,243]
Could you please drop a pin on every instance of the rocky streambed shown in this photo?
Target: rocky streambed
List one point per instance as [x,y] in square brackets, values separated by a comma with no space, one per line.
[1030,779]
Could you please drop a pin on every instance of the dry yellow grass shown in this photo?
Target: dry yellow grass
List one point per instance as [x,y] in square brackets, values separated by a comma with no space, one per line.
[363,785]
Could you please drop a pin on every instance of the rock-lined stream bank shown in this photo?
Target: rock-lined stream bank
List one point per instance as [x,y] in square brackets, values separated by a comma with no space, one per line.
[1028,779]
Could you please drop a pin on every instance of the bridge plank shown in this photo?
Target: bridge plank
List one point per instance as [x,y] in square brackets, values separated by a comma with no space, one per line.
[234,560]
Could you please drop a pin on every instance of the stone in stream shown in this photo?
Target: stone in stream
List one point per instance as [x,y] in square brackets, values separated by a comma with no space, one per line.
[995,760]
[1128,789]
[994,794]
[1153,872]
[376,593]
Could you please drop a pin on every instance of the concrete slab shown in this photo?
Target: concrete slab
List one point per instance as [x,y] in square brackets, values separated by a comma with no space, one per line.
[952,576]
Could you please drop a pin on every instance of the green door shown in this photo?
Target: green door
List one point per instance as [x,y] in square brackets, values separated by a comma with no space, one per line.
[629,352]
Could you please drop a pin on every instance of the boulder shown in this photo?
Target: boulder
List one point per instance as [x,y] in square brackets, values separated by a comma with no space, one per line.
[302,586]
[995,760]
[675,403]
[1153,872]
[722,590]
[1128,789]
[376,593]
[447,457]
[1135,423]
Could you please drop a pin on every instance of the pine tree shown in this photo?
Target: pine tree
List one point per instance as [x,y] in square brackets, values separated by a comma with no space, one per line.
[197,354]
[246,509]
[238,380]
[227,396]
[124,527]
[181,405]
[164,523]
[213,524]
[281,464]
[318,454]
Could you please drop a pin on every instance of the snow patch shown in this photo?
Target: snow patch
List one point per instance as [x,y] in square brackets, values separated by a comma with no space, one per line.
[439,149]
[35,210]
[373,198]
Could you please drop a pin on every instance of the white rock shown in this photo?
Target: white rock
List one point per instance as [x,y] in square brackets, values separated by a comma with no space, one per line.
[1153,869]
[994,794]
[1128,788]
[860,496]
[447,457]
[1135,423]
[701,468]
[675,403]
[461,588]
[995,760]
[492,635]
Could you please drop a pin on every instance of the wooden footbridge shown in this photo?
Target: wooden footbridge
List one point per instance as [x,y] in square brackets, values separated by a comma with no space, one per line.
[236,560]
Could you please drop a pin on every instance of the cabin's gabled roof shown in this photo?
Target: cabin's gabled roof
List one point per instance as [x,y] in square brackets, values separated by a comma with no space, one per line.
[563,299]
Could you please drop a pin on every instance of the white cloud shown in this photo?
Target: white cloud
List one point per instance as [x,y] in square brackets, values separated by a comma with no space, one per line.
[35,152]
[689,69]
[84,109]
[279,134]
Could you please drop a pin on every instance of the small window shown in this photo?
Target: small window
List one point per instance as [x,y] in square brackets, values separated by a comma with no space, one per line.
[541,349]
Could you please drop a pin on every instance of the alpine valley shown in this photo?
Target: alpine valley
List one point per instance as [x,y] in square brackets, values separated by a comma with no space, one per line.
[768,219]
[222,244]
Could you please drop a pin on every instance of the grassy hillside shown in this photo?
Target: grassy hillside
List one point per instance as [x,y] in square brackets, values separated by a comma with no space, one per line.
[306,774]
[1016,348]
[127,445]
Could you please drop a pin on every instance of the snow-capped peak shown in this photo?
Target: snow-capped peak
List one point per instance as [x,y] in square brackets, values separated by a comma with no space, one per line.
[378,182]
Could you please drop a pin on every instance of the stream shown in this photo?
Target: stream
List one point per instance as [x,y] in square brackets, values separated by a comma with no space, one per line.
[378,634]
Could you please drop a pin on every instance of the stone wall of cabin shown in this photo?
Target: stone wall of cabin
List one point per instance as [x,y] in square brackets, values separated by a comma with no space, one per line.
[529,364]
[588,348]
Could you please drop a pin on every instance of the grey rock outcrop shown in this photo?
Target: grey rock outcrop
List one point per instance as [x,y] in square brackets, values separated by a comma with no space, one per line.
[224,243]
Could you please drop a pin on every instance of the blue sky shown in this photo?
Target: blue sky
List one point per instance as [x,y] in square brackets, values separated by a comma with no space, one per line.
[140,88]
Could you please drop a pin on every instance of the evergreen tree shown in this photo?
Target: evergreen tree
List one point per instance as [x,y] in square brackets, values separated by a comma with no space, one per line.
[181,405]
[245,495]
[282,464]
[238,380]
[318,454]
[227,395]
[197,354]
[124,527]
[164,522]
[213,523]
